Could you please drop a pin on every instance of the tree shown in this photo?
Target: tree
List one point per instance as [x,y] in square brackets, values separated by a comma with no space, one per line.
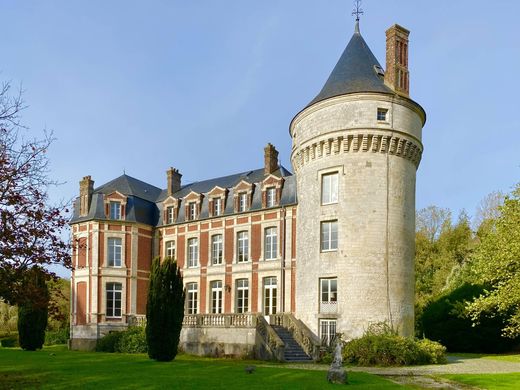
[497,266]
[30,229]
[164,310]
[32,316]
[488,210]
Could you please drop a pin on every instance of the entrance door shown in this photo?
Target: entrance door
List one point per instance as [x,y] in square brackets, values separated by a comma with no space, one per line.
[270,292]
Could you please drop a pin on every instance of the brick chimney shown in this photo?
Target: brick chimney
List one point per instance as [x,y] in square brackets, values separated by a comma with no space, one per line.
[397,76]
[174,180]
[270,159]
[86,189]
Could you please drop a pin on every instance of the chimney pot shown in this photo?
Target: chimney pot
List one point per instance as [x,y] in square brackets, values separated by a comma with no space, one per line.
[86,189]
[270,159]
[174,180]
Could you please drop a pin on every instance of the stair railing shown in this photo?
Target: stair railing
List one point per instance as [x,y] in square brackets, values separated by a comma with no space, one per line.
[309,342]
[270,339]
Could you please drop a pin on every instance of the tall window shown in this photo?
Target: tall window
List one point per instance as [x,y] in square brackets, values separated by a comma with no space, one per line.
[115,248]
[193,252]
[216,249]
[242,247]
[170,214]
[170,249]
[329,236]
[329,188]
[270,295]
[217,206]
[270,197]
[242,293]
[113,300]
[191,298]
[216,297]
[327,331]
[115,210]
[242,202]
[192,211]
[329,295]
[270,243]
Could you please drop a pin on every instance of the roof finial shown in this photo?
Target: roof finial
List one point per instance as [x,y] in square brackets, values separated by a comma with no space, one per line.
[357,11]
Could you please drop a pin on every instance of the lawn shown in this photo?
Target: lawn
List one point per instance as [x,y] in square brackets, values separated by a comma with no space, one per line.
[488,381]
[58,368]
[515,358]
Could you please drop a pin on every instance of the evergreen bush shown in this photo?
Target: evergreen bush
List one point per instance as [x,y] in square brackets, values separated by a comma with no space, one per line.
[32,317]
[109,342]
[382,346]
[164,310]
[133,340]
[55,337]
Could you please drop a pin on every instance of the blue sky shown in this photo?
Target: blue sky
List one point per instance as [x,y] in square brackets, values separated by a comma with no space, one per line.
[202,86]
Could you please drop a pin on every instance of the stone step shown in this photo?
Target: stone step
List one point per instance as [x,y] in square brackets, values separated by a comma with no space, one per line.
[293,351]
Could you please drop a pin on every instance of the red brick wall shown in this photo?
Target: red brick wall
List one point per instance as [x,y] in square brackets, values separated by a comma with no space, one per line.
[229,245]
[202,294]
[144,256]
[181,257]
[203,249]
[256,242]
[142,296]
[81,303]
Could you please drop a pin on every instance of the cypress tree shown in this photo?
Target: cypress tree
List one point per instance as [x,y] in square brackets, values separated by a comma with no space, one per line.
[32,315]
[165,310]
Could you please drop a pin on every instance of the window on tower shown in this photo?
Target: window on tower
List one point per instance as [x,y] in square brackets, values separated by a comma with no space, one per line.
[329,236]
[329,188]
[382,114]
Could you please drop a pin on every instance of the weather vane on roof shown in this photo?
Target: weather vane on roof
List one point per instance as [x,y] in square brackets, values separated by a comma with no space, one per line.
[357,10]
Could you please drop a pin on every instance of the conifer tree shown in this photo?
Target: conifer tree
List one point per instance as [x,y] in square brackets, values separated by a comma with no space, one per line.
[165,310]
[32,316]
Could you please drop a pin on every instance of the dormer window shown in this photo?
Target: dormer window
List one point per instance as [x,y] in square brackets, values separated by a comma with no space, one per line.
[217,207]
[271,197]
[242,202]
[192,211]
[170,214]
[115,210]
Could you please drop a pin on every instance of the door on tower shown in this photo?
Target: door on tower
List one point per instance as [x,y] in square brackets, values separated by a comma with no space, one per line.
[270,295]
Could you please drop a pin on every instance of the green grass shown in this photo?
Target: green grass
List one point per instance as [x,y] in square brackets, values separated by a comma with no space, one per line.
[58,368]
[488,381]
[515,358]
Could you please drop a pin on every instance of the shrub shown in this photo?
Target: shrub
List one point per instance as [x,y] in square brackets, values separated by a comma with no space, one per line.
[164,310]
[55,337]
[109,342]
[445,320]
[133,340]
[9,342]
[381,346]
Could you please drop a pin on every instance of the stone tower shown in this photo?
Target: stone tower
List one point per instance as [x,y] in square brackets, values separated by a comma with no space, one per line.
[356,149]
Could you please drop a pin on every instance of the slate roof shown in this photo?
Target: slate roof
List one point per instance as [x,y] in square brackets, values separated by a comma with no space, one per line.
[144,201]
[354,72]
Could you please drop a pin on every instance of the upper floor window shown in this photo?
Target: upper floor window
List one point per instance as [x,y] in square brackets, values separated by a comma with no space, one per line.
[329,188]
[242,247]
[113,302]
[271,197]
[328,295]
[217,207]
[382,114]
[242,202]
[191,298]
[115,210]
[115,249]
[216,249]
[170,249]
[170,214]
[192,211]
[242,294]
[193,252]
[329,236]
[270,243]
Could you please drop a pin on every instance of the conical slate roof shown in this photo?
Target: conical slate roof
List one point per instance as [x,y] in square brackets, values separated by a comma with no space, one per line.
[354,72]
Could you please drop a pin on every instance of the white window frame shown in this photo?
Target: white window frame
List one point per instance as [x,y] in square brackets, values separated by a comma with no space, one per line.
[192,294]
[169,249]
[113,244]
[328,295]
[192,211]
[328,331]
[242,202]
[114,209]
[216,297]
[270,243]
[217,249]
[270,197]
[243,246]
[329,188]
[217,207]
[192,252]
[329,238]
[270,299]
[170,214]
[242,295]
[115,295]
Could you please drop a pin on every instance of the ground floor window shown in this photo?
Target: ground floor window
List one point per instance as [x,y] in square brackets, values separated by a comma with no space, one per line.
[113,300]
[216,297]
[191,298]
[242,296]
[327,331]
[270,295]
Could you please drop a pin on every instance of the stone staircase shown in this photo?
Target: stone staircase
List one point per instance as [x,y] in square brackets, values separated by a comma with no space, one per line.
[293,351]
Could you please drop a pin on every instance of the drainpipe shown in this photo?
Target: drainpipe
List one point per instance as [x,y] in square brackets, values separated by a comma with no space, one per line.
[283,233]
